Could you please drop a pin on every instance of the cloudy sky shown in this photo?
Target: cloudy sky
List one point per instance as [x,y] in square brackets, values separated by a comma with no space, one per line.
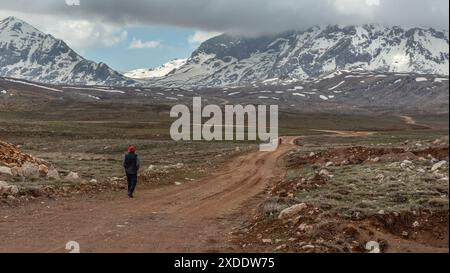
[144,33]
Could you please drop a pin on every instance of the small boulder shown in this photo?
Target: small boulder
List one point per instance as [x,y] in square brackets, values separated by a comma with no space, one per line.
[438,165]
[292,211]
[406,164]
[14,190]
[375,160]
[5,170]
[3,187]
[29,170]
[53,174]
[308,247]
[73,176]
[324,173]
[8,189]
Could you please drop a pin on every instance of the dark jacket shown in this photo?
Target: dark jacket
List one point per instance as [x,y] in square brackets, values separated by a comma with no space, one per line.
[131,163]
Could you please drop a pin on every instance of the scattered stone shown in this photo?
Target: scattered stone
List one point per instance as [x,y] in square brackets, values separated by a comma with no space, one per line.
[421,170]
[308,247]
[380,176]
[329,164]
[304,227]
[29,170]
[281,247]
[267,241]
[438,165]
[324,173]
[53,174]
[415,224]
[406,164]
[5,188]
[73,176]
[14,190]
[5,170]
[345,162]
[292,211]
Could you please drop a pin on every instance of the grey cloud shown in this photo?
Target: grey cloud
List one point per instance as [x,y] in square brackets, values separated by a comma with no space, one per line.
[245,16]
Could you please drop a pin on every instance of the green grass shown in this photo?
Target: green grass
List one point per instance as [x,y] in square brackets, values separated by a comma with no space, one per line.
[355,190]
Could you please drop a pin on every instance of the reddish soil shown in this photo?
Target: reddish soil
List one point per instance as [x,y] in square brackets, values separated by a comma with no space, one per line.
[331,233]
[359,154]
[317,231]
[194,217]
[204,215]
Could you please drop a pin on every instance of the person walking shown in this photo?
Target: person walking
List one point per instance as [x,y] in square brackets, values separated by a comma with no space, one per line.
[131,165]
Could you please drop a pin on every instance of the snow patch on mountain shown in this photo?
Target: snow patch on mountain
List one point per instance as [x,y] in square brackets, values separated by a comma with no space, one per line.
[157,72]
[27,53]
[315,53]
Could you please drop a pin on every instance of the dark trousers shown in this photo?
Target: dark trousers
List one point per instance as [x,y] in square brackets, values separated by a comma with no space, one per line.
[132,181]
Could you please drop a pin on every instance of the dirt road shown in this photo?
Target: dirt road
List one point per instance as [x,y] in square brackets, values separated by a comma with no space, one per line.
[195,217]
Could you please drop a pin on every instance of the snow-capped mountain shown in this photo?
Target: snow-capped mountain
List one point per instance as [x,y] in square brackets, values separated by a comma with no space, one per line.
[229,60]
[27,53]
[157,72]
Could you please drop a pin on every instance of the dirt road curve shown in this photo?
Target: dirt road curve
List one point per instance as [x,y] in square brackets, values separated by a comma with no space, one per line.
[195,217]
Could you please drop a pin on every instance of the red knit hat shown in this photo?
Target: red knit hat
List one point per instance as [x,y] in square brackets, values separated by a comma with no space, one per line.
[131,149]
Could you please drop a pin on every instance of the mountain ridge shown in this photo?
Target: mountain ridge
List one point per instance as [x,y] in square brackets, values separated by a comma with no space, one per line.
[233,60]
[29,54]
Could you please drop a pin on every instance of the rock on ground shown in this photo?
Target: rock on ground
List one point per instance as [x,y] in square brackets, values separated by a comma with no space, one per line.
[8,189]
[438,165]
[29,170]
[73,176]
[291,211]
[53,174]
[5,170]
